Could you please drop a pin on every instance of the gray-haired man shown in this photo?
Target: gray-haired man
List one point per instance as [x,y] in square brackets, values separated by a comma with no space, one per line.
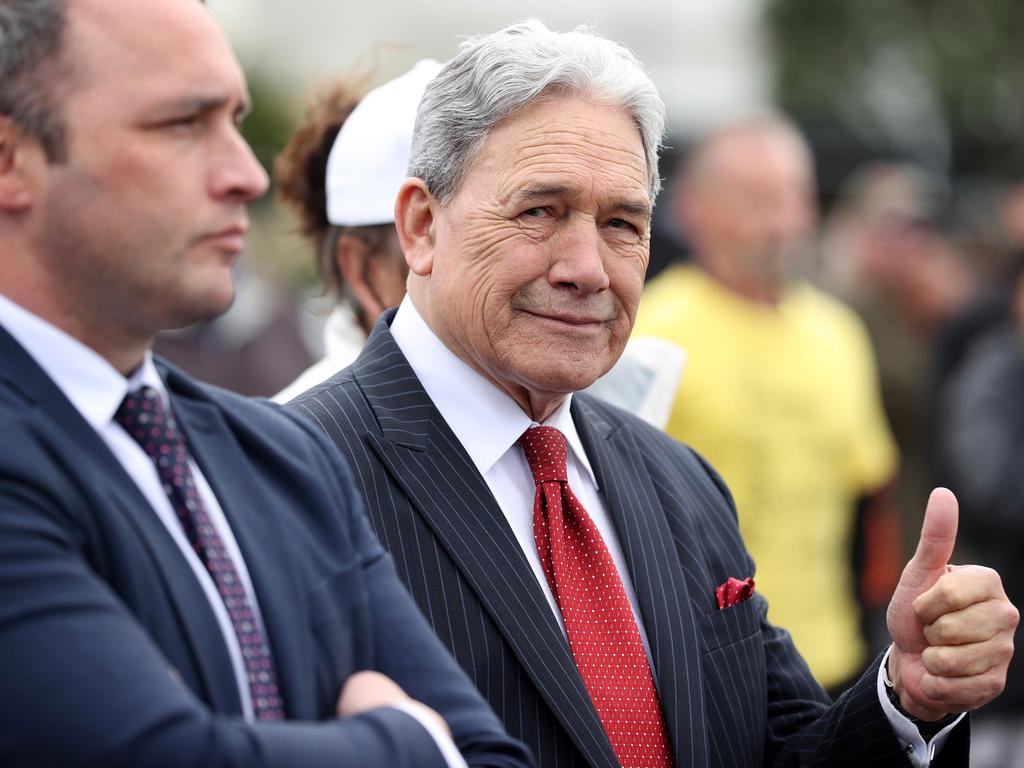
[585,569]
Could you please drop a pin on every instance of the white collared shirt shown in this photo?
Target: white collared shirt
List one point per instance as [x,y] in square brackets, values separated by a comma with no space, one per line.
[466,400]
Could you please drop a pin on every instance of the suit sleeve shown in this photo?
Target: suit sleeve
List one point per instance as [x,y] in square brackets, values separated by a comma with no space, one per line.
[406,649]
[805,730]
[83,684]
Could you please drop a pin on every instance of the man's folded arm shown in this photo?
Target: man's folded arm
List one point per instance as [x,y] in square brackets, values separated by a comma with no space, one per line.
[85,685]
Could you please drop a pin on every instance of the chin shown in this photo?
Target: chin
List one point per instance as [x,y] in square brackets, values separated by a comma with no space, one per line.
[198,309]
[563,377]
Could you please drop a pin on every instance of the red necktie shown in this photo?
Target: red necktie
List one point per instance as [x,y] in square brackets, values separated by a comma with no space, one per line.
[143,416]
[602,631]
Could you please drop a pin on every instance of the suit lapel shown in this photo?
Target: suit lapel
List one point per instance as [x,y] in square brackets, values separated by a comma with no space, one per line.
[426,460]
[657,569]
[88,456]
[259,535]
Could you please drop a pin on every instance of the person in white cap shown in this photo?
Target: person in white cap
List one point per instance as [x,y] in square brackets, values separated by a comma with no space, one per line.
[346,205]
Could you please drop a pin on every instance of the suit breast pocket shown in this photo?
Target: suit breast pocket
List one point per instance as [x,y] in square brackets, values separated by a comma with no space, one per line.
[729,625]
[341,634]
[735,685]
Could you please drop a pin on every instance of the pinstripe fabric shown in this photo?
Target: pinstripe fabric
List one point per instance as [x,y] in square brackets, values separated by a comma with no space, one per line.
[733,689]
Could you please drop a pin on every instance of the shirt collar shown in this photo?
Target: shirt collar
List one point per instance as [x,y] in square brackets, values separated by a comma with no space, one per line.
[484,418]
[94,387]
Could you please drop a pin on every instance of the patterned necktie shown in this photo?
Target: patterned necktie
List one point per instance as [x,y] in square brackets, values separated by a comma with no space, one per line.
[144,417]
[602,631]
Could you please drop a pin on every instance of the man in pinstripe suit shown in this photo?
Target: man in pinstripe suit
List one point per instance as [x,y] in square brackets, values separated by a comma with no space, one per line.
[525,227]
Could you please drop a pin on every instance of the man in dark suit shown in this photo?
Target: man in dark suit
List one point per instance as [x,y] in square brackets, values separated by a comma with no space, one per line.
[186,576]
[585,569]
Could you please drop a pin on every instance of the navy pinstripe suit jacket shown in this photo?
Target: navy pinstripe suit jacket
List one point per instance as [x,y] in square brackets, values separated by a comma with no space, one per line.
[734,690]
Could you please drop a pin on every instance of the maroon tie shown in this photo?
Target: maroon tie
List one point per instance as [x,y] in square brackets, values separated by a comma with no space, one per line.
[602,631]
[143,416]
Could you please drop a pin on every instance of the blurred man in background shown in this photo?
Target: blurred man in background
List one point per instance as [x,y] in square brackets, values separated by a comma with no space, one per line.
[780,392]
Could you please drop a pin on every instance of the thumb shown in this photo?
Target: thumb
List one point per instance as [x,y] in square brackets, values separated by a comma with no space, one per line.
[938,535]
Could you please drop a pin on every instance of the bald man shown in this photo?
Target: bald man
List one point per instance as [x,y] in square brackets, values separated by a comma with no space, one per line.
[780,392]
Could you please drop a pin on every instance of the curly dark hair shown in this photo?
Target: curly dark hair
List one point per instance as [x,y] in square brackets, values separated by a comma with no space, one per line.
[301,174]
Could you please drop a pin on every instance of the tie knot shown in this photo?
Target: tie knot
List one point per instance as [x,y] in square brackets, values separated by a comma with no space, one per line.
[151,425]
[545,451]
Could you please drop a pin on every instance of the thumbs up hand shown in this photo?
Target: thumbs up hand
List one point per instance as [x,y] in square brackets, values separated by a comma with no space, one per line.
[952,626]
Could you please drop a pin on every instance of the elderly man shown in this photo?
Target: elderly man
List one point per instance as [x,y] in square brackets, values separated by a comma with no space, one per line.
[181,570]
[585,569]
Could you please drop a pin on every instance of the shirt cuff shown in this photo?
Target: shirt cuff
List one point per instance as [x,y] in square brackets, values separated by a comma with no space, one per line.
[445,745]
[919,752]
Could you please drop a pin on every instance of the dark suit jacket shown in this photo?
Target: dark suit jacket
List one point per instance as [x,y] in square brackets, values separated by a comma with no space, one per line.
[110,652]
[733,688]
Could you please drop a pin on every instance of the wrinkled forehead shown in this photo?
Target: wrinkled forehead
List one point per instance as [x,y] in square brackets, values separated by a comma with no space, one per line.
[573,143]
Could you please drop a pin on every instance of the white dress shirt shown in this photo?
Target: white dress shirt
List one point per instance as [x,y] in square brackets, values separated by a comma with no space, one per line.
[95,389]
[467,400]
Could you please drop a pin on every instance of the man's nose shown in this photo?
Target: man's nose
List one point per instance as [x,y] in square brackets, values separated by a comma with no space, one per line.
[578,261]
[238,173]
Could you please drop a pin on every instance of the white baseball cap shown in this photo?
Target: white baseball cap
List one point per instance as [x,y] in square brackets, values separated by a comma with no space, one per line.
[370,157]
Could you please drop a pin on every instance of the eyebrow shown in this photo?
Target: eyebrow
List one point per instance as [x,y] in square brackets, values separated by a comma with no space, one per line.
[545,191]
[203,103]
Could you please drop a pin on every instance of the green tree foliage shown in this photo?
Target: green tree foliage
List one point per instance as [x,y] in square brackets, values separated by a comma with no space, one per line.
[958,63]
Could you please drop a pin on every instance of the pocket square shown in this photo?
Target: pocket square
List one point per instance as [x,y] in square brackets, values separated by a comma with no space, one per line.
[734,592]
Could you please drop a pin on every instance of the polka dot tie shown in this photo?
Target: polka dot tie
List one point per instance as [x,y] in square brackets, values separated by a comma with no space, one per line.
[602,631]
[144,417]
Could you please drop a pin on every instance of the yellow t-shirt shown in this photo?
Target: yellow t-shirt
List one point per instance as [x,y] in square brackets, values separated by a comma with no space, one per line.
[784,402]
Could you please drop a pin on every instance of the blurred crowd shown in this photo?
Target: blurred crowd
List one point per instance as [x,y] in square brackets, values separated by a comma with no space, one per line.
[845,350]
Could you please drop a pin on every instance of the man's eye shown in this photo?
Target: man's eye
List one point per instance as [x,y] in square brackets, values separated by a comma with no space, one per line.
[184,122]
[622,224]
[535,213]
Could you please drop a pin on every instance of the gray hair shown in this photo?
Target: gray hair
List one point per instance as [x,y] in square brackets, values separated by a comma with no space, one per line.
[31,39]
[497,75]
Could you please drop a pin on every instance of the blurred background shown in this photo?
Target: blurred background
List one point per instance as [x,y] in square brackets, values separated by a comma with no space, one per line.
[938,84]
[914,113]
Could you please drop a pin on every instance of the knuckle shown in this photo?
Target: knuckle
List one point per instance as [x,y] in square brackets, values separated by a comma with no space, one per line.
[991,576]
[1004,649]
[938,661]
[949,592]
[939,632]
[935,688]
[990,686]
[998,685]
[978,692]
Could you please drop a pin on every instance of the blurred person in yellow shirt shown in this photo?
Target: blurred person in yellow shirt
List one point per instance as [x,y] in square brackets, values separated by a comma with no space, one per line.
[781,391]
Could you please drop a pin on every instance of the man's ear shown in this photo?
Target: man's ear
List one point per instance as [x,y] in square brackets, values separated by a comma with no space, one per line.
[17,154]
[414,220]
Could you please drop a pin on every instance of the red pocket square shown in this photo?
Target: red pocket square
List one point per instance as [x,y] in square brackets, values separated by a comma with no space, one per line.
[734,592]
